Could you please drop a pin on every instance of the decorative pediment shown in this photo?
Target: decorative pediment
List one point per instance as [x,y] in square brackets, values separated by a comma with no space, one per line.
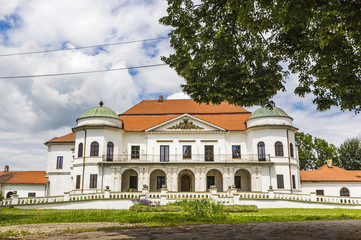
[186,124]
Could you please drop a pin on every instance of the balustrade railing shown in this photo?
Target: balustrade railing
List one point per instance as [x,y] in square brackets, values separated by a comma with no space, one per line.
[180,158]
[163,197]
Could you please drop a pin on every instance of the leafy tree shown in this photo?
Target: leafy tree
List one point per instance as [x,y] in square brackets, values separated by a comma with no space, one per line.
[306,152]
[350,154]
[233,49]
[313,152]
[325,151]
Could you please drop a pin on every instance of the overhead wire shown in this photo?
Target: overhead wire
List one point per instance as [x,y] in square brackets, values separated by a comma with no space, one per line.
[82,47]
[83,72]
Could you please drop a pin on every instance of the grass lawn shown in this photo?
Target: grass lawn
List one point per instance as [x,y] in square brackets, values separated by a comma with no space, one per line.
[15,216]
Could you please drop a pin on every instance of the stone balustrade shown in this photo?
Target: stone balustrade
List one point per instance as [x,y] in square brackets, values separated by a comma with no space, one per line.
[164,197]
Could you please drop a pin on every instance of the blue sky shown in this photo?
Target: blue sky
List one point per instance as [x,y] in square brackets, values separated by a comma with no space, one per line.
[36,110]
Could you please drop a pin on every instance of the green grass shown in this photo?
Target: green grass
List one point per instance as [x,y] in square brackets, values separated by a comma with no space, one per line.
[27,216]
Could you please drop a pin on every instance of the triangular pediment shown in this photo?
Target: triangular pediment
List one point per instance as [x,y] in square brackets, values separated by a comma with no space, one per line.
[185,122]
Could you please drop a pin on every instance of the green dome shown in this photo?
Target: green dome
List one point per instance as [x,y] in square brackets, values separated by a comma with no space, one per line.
[265,112]
[99,112]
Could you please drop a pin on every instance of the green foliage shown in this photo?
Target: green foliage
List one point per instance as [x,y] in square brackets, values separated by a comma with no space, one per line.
[144,208]
[232,50]
[350,154]
[202,209]
[240,208]
[1,196]
[313,152]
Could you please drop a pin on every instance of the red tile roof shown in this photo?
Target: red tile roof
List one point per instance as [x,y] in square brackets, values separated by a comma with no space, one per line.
[37,177]
[333,174]
[180,106]
[69,138]
[150,113]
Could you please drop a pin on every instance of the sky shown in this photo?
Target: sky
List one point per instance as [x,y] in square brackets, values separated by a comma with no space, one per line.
[34,110]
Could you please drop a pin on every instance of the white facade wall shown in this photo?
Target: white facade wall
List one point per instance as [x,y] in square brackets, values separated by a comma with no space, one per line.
[332,188]
[24,189]
[59,178]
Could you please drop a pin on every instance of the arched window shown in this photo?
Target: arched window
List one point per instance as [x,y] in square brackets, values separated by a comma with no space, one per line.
[279,149]
[291,150]
[261,151]
[94,149]
[9,194]
[110,151]
[80,150]
[344,192]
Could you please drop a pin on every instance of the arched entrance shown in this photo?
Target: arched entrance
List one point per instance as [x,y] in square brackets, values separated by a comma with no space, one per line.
[8,195]
[242,180]
[129,181]
[157,179]
[215,178]
[186,181]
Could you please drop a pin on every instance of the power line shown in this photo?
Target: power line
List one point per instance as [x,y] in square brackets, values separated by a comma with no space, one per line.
[84,72]
[76,48]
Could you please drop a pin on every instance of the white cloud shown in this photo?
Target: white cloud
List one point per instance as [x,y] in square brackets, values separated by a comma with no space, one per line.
[179,95]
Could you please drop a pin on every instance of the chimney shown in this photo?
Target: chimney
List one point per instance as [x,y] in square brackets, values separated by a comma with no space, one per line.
[160,98]
[6,169]
[329,163]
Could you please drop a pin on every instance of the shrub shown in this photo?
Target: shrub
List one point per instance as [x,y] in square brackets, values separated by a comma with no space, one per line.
[143,201]
[143,208]
[202,209]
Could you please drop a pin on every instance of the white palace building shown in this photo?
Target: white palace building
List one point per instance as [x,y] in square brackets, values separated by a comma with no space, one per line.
[180,146]
[187,147]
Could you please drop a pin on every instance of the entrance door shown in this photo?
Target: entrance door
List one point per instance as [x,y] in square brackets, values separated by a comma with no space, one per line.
[133,183]
[185,183]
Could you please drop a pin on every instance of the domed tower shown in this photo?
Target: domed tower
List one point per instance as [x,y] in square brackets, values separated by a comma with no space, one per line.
[99,138]
[271,138]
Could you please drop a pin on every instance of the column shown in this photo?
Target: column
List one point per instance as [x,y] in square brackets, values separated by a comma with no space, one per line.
[197,179]
[203,179]
[112,179]
[169,178]
[225,178]
[118,185]
[254,186]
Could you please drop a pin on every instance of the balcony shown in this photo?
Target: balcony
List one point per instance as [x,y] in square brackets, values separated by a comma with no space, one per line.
[178,158]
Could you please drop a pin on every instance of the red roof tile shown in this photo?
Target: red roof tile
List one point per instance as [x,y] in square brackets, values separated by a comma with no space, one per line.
[180,106]
[69,138]
[150,113]
[23,177]
[333,174]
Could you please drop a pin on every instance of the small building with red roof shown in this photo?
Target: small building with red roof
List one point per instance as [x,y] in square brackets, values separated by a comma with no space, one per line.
[23,183]
[330,180]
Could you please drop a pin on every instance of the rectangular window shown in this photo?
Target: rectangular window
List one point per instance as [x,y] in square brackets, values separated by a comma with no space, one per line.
[59,162]
[236,151]
[31,194]
[280,183]
[135,152]
[208,153]
[133,183]
[187,151]
[93,180]
[77,183]
[210,181]
[294,181]
[320,192]
[237,181]
[160,181]
[164,153]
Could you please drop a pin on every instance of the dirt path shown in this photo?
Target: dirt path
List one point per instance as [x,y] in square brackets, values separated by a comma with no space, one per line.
[275,231]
